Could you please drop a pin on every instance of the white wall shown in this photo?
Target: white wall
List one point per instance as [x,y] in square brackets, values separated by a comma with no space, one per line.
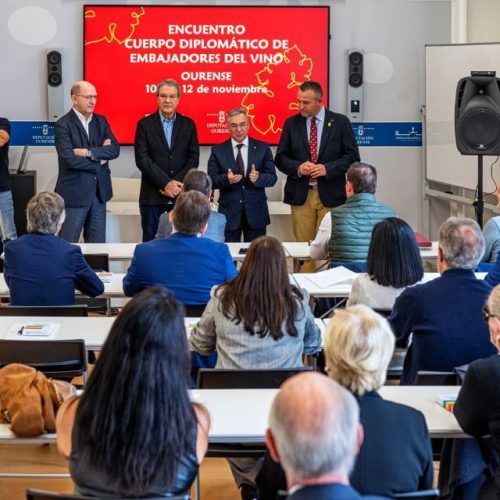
[392,34]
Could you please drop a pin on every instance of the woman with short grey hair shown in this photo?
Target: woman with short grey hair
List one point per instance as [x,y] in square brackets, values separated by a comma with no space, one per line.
[42,269]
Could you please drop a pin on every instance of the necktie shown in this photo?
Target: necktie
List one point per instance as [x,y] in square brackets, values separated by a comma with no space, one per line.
[239,161]
[313,141]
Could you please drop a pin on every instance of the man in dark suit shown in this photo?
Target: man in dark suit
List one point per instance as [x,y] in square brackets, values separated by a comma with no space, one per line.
[315,150]
[241,168]
[166,147]
[84,144]
[443,317]
[314,432]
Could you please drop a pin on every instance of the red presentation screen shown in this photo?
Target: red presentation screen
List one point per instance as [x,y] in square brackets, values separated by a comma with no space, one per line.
[222,57]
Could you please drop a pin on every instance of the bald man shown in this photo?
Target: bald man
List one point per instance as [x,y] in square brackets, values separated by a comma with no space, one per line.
[314,432]
[84,144]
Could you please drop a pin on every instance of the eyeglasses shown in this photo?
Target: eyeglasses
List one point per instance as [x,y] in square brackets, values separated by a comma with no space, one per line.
[487,315]
[234,126]
[87,97]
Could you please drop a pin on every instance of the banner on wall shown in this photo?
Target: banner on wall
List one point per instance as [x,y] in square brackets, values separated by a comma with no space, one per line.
[222,58]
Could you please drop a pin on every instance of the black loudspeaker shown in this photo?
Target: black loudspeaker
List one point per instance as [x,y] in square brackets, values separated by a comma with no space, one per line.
[23,188]
[355,85]
[477,114]
[55,93]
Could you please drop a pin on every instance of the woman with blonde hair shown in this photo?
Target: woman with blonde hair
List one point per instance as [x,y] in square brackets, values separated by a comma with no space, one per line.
[358,348]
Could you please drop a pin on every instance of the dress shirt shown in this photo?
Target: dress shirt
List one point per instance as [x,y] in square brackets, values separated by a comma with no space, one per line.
[168,126]
[319,246]
[320,120]
[85,121]
[244,153]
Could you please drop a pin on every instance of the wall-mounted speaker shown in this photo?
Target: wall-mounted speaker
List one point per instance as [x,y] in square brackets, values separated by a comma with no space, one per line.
[55,90]
[477,114]
[355,85]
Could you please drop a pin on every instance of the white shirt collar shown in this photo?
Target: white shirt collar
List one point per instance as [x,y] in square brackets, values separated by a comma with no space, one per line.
[320,116]
[244,142]
[82,118]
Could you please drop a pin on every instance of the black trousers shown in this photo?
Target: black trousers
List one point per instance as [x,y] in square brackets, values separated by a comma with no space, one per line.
[249,234]
[150,215]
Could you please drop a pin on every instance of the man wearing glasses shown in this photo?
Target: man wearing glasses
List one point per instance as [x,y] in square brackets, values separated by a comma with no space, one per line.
[166,148]
[241,168]
[84,144]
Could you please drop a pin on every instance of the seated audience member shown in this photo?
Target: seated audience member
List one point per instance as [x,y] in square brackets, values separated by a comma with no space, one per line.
[344,234]
[477,408]
[134,431]
[257,320]
[314,432]
[196,180]
[393,264]
[41,269]
[444,315]
[184,263]
[358,348]
[491,233]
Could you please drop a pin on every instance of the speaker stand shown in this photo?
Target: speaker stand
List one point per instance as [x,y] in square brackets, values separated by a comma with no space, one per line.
[479,203]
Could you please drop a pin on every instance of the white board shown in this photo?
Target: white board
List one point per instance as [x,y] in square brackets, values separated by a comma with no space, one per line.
[445,65]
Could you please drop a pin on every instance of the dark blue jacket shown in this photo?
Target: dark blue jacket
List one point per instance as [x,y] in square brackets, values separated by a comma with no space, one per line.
[187,265]
[337,151]
[81,178]
[243,195]
[493,277]
[328,492]
[44,270]
[445,317]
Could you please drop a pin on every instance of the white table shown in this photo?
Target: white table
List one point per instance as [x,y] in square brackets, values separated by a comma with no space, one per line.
[240,415]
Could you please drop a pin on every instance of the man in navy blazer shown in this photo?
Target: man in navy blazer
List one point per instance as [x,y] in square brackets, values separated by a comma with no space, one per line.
[241,168]
[189,266]
[444,316]
[315,150]
[84,144]
[314,432]
[166,148]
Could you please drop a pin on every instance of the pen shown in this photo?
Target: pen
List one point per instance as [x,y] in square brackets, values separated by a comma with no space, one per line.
[20,331]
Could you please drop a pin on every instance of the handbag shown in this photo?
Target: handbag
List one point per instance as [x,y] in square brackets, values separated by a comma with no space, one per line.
[29,401]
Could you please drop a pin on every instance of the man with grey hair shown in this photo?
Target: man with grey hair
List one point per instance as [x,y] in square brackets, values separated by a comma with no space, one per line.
[197,180]
[314,432]
[445,314]
[84,144]
[241,168]
[41,269]
[345,232]
[166,148]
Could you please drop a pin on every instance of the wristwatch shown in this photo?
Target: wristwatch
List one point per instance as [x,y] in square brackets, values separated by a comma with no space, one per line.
[88,154]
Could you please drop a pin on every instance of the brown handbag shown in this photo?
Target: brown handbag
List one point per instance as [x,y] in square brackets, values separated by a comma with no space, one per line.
[29,401]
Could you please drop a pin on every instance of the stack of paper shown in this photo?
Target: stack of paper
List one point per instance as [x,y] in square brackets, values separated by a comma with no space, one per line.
[105,276]
[334,276]
[447,402]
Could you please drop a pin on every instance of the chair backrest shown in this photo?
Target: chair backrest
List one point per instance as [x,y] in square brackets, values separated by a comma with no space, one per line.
[245,379]
[49,495]
[74,310]
[195,311]
[97,261]
[436,378]
[55,358]
[382,311]
[419,495]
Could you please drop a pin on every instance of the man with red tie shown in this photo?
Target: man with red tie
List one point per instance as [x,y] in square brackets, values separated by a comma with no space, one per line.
[241,168]
[315,150]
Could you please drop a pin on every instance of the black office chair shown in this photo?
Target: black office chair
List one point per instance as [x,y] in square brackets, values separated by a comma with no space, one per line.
[419,495]
[436,378]
[245,379]
[49,495]
[98,262]
[395,368]
[75,310]
[195,311]
[62,359]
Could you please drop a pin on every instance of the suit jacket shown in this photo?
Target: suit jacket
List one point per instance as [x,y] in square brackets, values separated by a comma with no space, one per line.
[81,178]
[44,270]
[215,226]
[187,265]
[160,164]
[337,151]
[477,408]
[445,318]
[244,195]
[327,492]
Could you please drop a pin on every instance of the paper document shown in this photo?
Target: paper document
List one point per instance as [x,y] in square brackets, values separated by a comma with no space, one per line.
[447,402]
[32,329]
[105,276]
[332,277]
